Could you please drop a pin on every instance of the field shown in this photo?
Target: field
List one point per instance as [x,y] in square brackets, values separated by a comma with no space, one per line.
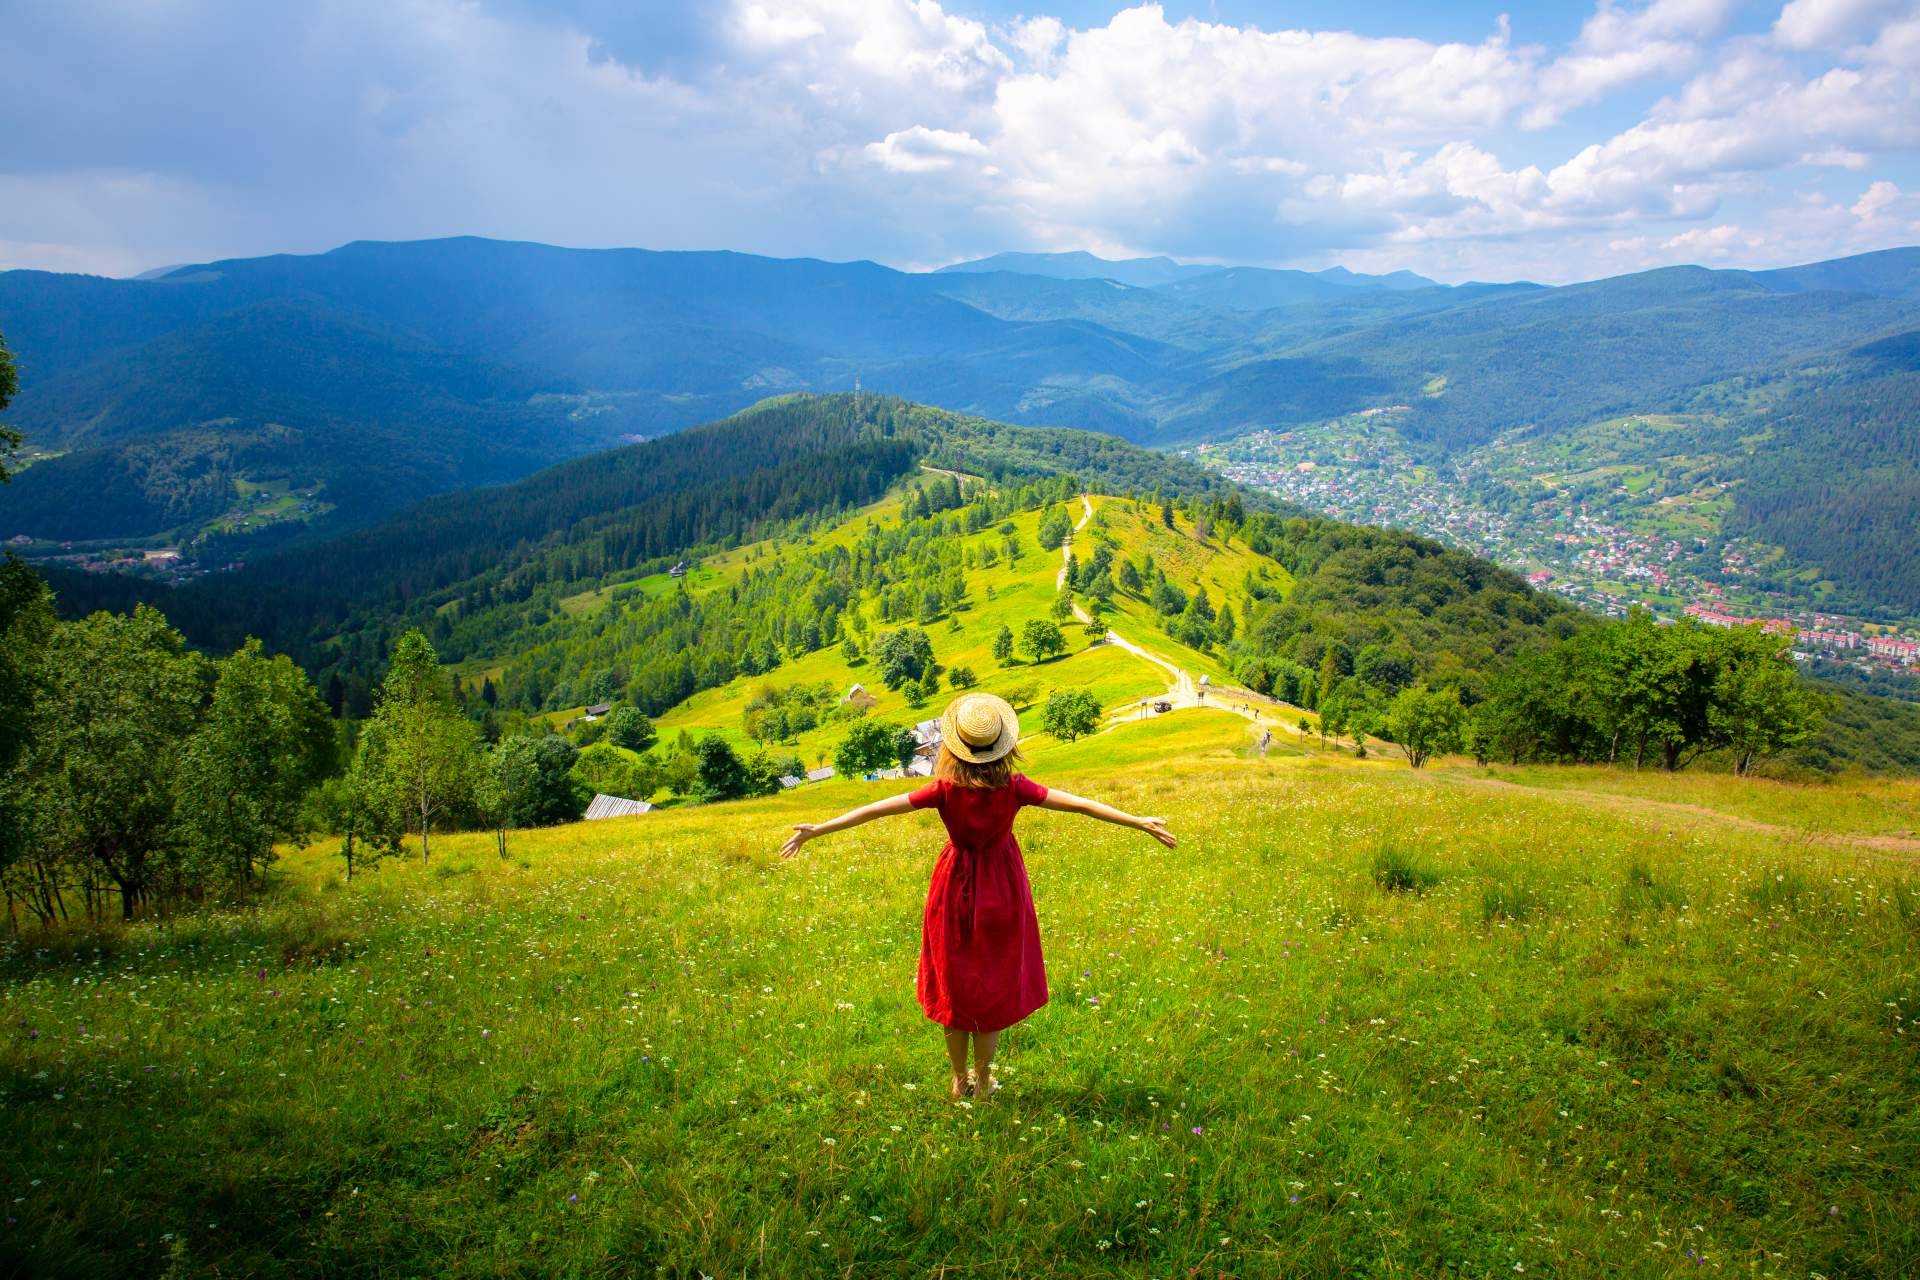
[1364,1021]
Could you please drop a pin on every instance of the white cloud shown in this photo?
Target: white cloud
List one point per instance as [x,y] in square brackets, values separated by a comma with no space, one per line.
[1811,24]
[1619,46]
[902,130]
[1875,199]
[923,150]
[1711,242]
[774,30]
[1038,40]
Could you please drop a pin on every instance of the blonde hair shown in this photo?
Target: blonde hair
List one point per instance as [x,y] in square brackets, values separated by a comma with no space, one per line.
[963,773]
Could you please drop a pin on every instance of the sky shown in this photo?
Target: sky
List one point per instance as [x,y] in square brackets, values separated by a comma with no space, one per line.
[1460,140]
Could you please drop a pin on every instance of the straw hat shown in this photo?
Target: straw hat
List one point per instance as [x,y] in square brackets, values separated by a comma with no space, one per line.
[979,728]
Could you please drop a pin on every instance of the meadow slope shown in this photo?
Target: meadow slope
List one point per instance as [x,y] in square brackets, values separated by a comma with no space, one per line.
[1364,1021]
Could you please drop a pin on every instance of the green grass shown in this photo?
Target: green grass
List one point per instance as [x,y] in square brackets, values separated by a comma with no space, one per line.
[1589,1048]
[1858,806]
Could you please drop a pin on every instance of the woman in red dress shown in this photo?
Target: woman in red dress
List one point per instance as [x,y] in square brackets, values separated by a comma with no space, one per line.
[980,966]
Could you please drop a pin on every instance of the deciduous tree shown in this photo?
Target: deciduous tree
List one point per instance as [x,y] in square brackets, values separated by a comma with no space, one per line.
[1425,722]
[263,743]
[429,748]
[1070,714]
[1041,639]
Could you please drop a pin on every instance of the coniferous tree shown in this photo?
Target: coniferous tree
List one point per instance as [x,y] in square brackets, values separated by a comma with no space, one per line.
[1003,644]
[9,384]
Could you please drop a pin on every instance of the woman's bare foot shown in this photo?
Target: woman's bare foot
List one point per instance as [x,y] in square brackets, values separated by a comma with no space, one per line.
[988,1089]
[961,1088]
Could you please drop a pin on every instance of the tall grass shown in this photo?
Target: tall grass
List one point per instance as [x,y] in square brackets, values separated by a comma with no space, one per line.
[648,1047]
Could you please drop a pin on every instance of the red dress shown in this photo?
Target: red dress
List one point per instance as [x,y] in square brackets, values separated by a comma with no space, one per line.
[980,966]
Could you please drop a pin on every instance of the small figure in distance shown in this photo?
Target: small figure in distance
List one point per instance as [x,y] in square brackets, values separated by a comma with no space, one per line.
[980,965]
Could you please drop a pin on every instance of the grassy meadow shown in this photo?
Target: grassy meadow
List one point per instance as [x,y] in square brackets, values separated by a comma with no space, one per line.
[1364,1021]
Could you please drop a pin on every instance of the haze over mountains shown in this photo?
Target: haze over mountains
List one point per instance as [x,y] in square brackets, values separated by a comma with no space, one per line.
[377,373]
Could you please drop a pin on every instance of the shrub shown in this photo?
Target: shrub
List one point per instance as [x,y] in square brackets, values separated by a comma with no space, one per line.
[1022,695]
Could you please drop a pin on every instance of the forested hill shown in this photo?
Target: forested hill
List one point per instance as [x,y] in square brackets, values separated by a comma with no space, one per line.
[809,526]
[791,458]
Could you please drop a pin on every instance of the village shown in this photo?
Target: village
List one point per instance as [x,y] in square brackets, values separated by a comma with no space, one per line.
[213,546]
[1360,470]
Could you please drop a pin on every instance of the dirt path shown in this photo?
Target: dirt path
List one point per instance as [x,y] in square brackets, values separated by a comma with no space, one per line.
[1182,691]
[960,478]
[1905,845]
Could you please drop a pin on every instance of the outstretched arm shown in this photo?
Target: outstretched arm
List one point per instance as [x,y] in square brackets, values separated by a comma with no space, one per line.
[805,831]
[1066,802]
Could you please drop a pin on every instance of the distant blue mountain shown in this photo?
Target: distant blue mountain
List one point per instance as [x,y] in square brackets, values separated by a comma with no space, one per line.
[1142,273]
[387,371]
[1151,273]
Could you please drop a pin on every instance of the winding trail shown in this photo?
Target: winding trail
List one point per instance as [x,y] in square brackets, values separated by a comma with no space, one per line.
[1182,691]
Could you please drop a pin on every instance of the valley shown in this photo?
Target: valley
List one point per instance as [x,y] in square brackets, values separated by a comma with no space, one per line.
[1631,511]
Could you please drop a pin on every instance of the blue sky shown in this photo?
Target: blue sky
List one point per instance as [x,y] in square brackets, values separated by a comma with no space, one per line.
[1465,141]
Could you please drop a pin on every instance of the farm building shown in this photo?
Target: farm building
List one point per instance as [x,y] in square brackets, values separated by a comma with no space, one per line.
[926,748]
[615,807]
[598,709]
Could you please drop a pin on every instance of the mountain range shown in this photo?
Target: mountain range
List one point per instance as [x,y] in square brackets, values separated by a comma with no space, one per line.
[365,378]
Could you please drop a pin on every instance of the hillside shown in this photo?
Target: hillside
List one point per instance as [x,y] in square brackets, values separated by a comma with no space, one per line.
[1118,666]
[1575,1025]
[365,378]
[515,549]
[812,523]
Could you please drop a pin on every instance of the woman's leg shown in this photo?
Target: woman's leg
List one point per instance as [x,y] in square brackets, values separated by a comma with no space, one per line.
[984,1043]
[957,1056]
